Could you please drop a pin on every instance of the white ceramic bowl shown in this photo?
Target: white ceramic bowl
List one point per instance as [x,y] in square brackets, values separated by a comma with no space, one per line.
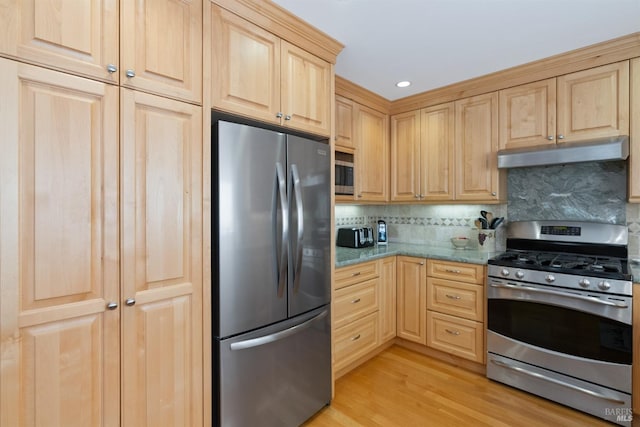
[459,242]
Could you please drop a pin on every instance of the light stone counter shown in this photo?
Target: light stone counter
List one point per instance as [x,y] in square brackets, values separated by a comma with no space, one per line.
[348,256]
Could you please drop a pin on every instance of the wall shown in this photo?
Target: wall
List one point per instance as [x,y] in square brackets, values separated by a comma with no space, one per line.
[594,191]
[433,224]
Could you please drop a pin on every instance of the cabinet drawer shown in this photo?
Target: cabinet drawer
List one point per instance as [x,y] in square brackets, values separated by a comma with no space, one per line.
[356,273]
[355,340]
[462,272]
[460,337]
[455,298]
[355,301]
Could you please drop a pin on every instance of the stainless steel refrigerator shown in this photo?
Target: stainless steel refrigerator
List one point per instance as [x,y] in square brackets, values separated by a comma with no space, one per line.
[271,276]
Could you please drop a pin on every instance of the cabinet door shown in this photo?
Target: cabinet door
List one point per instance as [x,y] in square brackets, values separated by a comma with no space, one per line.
[306,90]
[162,45]
[59,344]
[161,148]
[528,115]
[345,136]
[477,177]
[372,156]
[634,149]
[405,157]
[594,103]
[80,37]
[412,299]
[246,60]
[387,299]
[437,167]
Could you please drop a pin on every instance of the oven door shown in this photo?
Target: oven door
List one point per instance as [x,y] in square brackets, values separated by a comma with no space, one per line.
[573,332]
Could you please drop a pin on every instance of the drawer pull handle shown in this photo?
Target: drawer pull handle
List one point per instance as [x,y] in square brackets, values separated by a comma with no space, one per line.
[452,296]
[448,270]
[357,337]
[449,331]
[355,274]
[355,301]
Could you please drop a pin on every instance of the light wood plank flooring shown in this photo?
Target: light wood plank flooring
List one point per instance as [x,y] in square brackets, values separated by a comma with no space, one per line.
[400,387]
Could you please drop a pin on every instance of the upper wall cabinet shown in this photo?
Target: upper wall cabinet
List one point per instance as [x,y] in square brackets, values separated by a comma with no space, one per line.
[259,75]
[476,147]
[160,48]
[345,136]
[372,155]
[588,104]
[422,154]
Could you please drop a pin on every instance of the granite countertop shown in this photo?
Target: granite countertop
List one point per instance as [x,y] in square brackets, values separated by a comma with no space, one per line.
[348,256]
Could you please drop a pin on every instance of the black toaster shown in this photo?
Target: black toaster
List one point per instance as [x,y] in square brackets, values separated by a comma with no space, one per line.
[355,237]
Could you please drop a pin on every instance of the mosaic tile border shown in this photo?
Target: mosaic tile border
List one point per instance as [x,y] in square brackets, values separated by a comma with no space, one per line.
[447,222]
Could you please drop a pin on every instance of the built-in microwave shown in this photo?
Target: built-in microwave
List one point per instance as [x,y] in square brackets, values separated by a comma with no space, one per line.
[344,173]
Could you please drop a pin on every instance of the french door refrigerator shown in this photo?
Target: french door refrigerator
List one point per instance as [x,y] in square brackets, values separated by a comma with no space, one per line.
[271,277]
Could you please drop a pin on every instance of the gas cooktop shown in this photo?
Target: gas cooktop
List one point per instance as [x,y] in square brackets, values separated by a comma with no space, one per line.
[596,266]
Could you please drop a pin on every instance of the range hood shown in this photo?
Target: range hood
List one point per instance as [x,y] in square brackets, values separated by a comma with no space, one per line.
[616,148]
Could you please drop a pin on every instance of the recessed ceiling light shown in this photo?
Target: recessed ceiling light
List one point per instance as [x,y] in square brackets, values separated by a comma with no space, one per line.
[403,83]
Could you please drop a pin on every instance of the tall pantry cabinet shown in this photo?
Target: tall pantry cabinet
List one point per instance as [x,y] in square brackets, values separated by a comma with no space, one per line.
[101,213]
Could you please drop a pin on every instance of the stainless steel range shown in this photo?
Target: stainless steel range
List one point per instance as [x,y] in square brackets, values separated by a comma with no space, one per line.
[559,315]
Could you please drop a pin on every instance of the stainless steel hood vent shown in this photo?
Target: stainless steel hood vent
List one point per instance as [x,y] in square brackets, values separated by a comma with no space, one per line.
[616,148]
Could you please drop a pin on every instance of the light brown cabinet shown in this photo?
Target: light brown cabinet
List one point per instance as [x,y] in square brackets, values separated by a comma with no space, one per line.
[477,177]
[422,154]
[634,149]
[412,299]
[345,117]
[372,155]
[356,318]
[387,299]
[579,106]
[59,339]
[455,309]
[447,152]
[161,260]
[261,76]
[159,51]
[91,319]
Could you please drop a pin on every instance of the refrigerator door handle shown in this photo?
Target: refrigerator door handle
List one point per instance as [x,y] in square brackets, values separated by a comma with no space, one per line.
[300,208]
[255,342]
[281,263]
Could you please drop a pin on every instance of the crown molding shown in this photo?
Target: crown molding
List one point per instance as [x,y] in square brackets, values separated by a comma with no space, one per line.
[615,50]
[352,91]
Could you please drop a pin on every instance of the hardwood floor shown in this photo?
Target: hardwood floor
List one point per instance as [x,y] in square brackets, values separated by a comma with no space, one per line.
[402,388]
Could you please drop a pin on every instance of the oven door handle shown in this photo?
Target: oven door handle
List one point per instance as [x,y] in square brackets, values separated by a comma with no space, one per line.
[558,293]
[556,381]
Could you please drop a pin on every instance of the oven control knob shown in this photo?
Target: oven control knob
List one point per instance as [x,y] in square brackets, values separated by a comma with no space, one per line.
[504,272]
[519,274]
[550,278]
[584,283]
[604,285]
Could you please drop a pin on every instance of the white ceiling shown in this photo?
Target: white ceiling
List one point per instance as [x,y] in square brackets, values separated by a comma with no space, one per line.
[434,43]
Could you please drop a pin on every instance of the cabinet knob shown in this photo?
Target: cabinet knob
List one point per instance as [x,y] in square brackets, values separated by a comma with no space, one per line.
[422,196]
[130,302]
[493,193]
[111,68]
[359,195]
[550,137]
[112,305]
[279,115]
[560,136]
[130,73]
[417,196]
[287,117]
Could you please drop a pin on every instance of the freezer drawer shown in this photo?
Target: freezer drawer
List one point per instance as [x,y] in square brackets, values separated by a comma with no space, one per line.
[276,376]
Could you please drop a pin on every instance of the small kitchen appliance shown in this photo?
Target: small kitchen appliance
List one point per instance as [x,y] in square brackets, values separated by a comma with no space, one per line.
[382,232]
[355,237]
[559,310]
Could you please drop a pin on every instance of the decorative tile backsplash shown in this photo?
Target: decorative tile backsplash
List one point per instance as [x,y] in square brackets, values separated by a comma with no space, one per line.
[435,224]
